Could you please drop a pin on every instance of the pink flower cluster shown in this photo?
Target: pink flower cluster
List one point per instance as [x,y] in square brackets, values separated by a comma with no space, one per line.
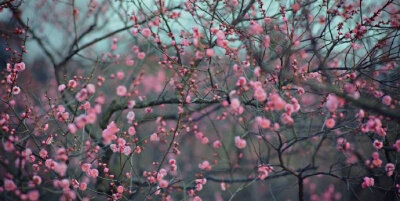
[85,92]
[376,161]
[121,147]
[368,182]
[236,106]
[374,124]
[264,170]
[59,167]
[263,122]
[91,172]
[205,165]
[109,134]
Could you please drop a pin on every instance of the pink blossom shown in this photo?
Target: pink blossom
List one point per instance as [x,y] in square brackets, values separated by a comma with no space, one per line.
[235,103]
[82,186]
[121,90]
[387,100]
[110,132]
[210,52]
[93,173]
[263,122]
[60,168]
[33,195]
[61,87]
[396,145]
[260,95]
[85,167]
[240,143]
[9,146]
[330,123]
[263,171]
[43,153]
[217,144]
[197,198]
[9,185]
[72,128]
[72,84]
[120,189]
[332,103]
[91,88]
[199,55]
[81,95]
[120,75]
[154,137]
[188,99]
[220,35]
[276,102]
[377,144]
[131,130]
[205,165]
[37,180]
[129,62]
[289,109]
[204,140]
[255,28]
[286,119]
[130,116]
[146,32]
[163,183]
[127,150]
[16,90]
[141,55]
[368,182]
[295,7]
[241,81]
[131,104]
[19,66]
[223,186]
[389,168]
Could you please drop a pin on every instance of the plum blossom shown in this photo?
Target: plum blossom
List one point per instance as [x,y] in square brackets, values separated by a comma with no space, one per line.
[240,143]
[205,165]
[368,182]
[210,52]
[60,168]
[259,94]
[389,168]
[93,173]
[263,122]
[396,145]
[330,123]
[19,66]
[276,102]
[37,179]
[387,100]
[121,90]
[16,90]
[33,195]
[377,144]
[130,116]
[146,32]
[109,134]
[9,185]
[332,103]
[287,119]
[263,171]
[217,144]
[120,189]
